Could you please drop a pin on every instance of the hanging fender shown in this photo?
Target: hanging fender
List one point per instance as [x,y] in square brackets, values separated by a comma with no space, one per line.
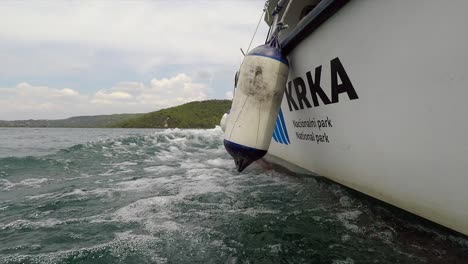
[222,123]
[256,103]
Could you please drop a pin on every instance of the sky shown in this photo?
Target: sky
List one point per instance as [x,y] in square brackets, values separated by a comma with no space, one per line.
[67,58]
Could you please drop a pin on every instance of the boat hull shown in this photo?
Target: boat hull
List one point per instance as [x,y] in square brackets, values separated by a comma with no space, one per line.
[377,101]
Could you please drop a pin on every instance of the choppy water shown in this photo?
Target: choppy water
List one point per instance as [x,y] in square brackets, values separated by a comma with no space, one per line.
[174,196]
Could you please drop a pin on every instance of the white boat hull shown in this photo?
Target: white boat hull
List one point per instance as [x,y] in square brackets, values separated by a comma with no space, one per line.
[403,140]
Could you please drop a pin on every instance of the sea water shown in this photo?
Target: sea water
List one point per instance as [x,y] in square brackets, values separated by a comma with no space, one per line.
[174,196]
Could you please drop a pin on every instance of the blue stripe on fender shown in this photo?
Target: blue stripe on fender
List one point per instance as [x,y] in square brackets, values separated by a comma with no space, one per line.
[267,56]
[244,149]
[243,155]
[269,52]
[240,150]
[283,125]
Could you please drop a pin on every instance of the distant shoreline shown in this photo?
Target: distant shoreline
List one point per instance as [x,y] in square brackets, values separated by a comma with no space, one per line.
[197,114]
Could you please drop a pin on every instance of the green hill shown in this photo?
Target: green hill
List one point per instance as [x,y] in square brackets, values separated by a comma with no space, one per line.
[204,114]
[76,121]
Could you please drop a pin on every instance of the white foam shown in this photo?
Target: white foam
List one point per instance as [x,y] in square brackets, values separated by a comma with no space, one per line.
[41,196]
[161,168]
[40,214]
[143,183]
[190,164]
[6,184]
[350,215]
[256,211]
[144,209]
[27,224]
[345,201]
[31,182]
[123,171]
[459,240]
[101,192]
[345,238]
[124,245]
[77,192]
[346,261]
[107,173]
[167,156]
[82,176]
[156,226]
[385,236]
[275,249]
[347,217]
[156,213]
[221,163]
[125,163]
[196,136]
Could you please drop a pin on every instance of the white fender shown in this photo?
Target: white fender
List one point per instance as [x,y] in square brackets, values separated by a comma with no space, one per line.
[250,124]
[222,123]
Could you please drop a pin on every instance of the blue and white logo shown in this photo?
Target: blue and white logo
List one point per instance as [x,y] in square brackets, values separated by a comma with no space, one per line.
[280,134]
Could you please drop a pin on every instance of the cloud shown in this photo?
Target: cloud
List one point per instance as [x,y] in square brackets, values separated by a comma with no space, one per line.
[147,33]
[159,93]
[88,49]
[26,101]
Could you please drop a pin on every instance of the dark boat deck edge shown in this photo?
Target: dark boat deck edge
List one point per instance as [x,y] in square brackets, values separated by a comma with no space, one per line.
[321,13]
